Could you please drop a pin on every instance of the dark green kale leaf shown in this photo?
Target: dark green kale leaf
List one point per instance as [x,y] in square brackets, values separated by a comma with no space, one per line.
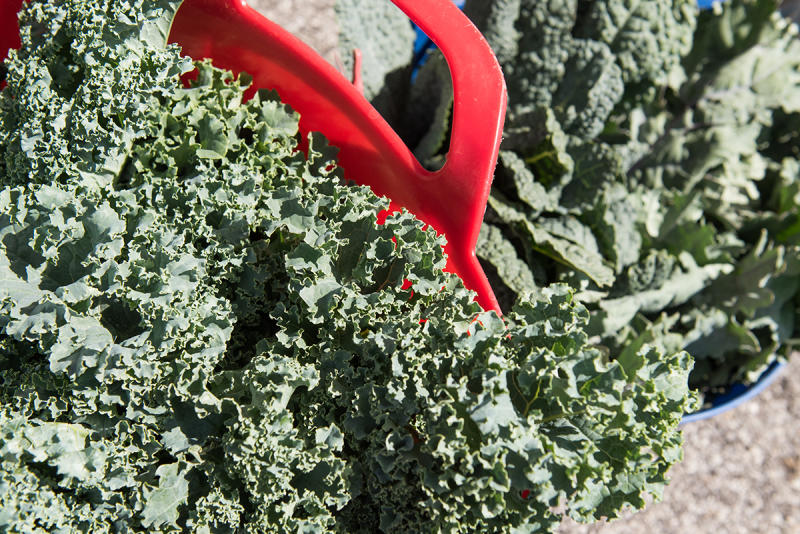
[694,157]
[384,37]
[648,39]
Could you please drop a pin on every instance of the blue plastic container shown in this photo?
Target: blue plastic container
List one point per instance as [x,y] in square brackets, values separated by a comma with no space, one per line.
[423,43]
[736,394]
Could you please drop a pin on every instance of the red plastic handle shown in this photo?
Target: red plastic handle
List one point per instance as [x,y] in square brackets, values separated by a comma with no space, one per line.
[480,99]
[452,200]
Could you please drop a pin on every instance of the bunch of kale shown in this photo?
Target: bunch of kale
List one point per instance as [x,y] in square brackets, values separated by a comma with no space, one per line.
[202,329]
[650,160]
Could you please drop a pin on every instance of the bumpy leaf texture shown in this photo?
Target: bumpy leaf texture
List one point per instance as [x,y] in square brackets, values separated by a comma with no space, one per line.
[204,330]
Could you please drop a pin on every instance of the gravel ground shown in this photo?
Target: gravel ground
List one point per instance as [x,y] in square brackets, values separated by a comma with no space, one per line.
[741,472]
[313,21]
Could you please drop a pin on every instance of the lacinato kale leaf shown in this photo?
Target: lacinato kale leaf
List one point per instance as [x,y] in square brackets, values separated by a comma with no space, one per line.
[681,178]
[385,41]
[203,329]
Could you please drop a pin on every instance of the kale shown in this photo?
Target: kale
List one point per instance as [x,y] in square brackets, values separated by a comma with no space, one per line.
[203,329]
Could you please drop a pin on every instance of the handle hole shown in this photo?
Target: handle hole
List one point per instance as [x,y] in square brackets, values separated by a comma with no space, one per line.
[405,78]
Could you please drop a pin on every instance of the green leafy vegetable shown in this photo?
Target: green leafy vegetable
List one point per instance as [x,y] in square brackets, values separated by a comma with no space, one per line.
[204,330]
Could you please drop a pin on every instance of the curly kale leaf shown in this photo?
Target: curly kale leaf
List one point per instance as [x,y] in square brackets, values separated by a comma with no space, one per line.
[95,103]
[203,329]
